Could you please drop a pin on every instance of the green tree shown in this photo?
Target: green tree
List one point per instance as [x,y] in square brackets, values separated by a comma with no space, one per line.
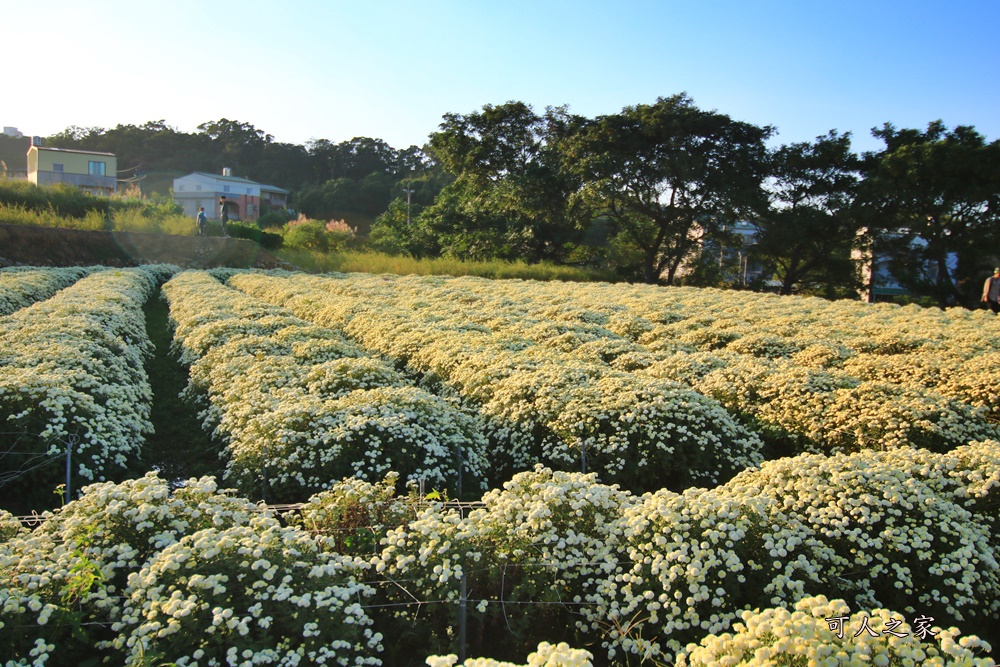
[933,198]
[808,231]
[240,145]
[511,196]
[667,174]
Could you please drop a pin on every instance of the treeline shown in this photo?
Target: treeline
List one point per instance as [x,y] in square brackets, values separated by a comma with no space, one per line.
[658,191]
[655,193]
[353,179]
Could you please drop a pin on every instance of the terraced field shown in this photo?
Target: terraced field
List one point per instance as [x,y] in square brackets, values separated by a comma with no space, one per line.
[597,473]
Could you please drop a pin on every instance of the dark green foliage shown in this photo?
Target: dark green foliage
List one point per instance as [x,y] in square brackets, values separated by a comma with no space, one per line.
[934,199]
[807,233]
[511,195]
[248,230]
[665,173]
[65,200]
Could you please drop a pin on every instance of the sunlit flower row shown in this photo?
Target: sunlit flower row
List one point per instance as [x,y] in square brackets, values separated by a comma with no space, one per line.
[540,404]
[72,376]
[806,383]
[952,352]
[193,574]
[298,406]
[23,286]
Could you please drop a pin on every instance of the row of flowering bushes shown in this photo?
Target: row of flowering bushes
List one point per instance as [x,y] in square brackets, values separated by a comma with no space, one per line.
[783,372]
[72,377]
[540,404]
[299,406]
[140,574]
[198,577]
[952,352]
[23,286]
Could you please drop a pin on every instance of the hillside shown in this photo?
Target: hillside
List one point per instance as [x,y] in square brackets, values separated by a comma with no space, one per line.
[45,246]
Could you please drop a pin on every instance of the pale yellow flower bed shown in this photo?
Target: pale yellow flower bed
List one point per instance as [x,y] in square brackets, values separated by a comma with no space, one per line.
[811,375]
[23,286]
[299,404]
[741,572]
[541,404]
[72,375]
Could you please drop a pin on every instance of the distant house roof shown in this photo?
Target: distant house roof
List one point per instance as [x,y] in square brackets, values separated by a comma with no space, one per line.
[71,150]
[237,179]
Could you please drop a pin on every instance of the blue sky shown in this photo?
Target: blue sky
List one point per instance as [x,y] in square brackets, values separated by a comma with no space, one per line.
[303,70]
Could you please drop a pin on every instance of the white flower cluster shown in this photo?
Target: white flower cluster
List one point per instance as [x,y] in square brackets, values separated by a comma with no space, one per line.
[72,371]
[553,556]
[547,655]
[805,635]
[816,375]
[10,526]
[191,575]
[541,403]
[907,529]
[900,528]
[297,403]
[22,286]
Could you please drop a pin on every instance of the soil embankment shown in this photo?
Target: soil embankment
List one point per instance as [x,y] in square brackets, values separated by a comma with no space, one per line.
[46,246]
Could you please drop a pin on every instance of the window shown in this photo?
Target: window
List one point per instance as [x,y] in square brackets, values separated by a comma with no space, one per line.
[225,188]
[58,168]
[198,188]
[249,191]
[96,168]
[180,188]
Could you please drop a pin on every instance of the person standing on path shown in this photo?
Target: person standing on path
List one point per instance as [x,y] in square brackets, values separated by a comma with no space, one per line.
[202,221]
[991,291]
[224,215]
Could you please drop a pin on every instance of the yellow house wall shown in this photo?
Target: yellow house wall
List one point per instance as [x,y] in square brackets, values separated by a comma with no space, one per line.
[75,163]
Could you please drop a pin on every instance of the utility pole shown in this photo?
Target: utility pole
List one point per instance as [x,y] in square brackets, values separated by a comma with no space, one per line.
[409,194]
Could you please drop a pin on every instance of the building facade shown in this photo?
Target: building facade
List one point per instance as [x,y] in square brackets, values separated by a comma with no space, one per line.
[93,172]
[245,199]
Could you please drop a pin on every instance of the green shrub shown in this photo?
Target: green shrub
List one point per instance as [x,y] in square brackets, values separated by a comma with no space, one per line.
[275,218]
[62,199]
[250,231]
[244,230]
[308,235]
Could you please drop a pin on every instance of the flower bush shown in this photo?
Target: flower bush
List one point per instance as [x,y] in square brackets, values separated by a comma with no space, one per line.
[806,635]
[300,407]
[63,583]
[23,286]
[73,377]
[248,595]
[540,403]
[529,554]
[547,655]
[905,529]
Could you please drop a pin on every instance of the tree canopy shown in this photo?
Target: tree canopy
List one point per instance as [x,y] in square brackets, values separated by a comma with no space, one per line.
[669,173]
[809,229]
[933,199]
[648,192]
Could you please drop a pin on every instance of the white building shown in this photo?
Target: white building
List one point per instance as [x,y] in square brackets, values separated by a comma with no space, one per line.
[245,199]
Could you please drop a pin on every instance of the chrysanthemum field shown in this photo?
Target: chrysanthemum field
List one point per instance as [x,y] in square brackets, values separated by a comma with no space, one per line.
[421,470]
